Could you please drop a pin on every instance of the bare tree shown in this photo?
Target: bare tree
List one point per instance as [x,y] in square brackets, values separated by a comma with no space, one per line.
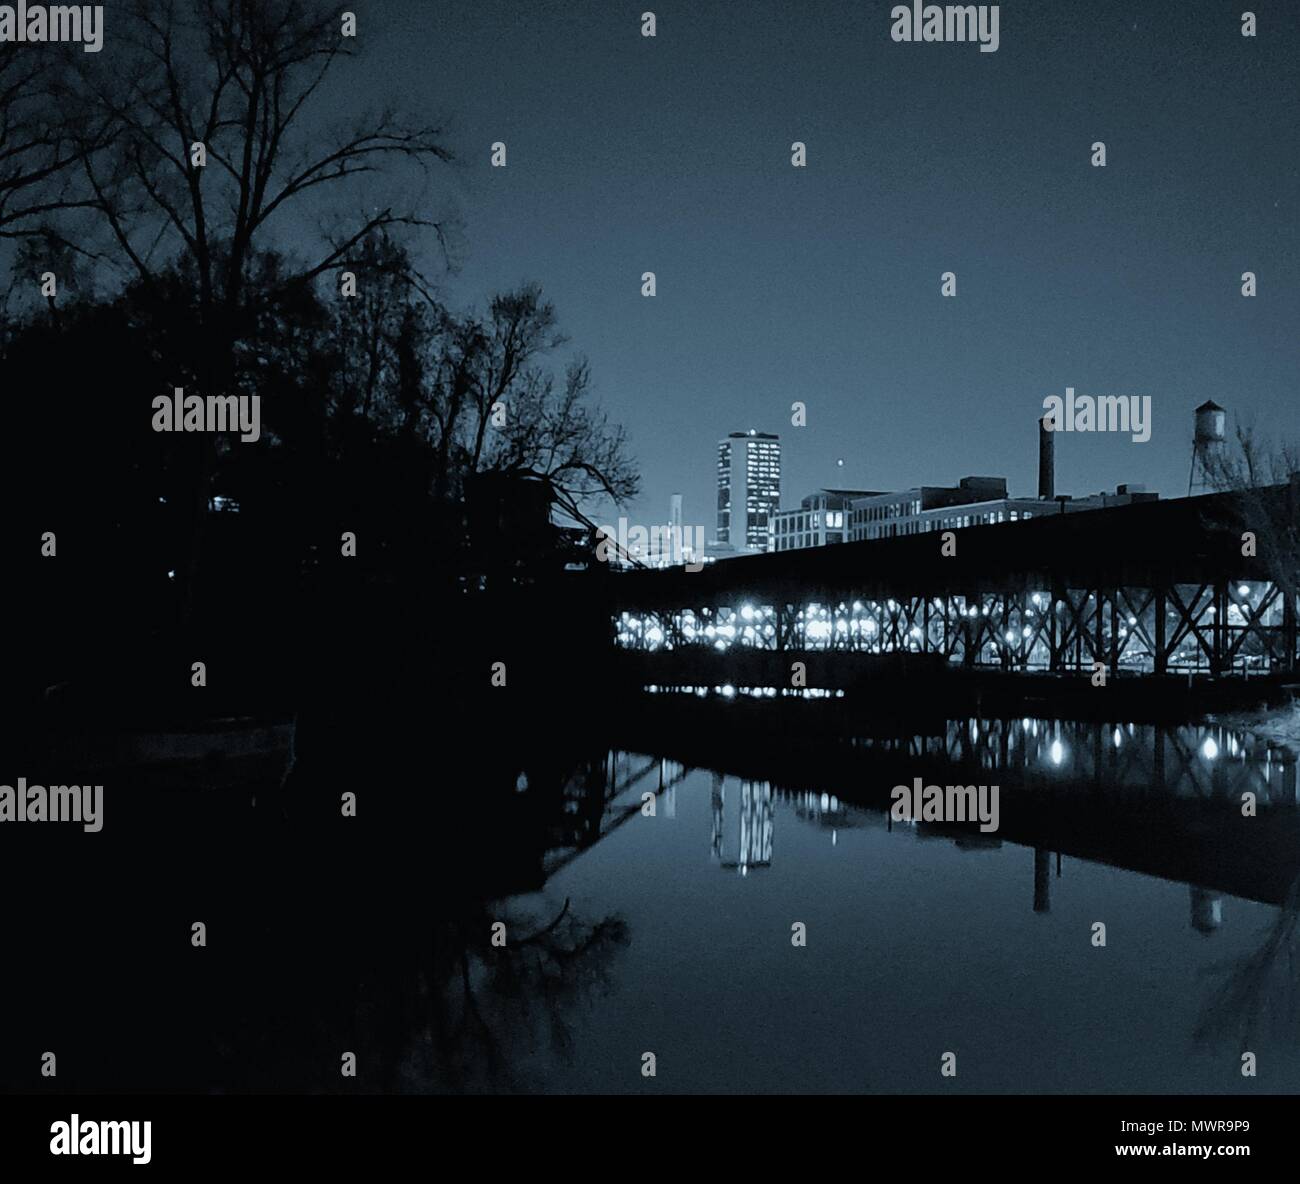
[1266,477]
[499,408]
[239,84]
[1252,463]
[44,144]
[41,149]
[219,149]
[385,337]
[477,392]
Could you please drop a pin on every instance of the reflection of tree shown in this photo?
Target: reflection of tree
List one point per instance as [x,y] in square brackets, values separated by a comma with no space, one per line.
[490,1004]
[1260,988]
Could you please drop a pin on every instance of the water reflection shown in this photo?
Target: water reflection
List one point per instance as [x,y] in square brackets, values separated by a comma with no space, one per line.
[1139,826]
[1187,761]
[490,1003]
[623,936]
[748,843]
[1258,994]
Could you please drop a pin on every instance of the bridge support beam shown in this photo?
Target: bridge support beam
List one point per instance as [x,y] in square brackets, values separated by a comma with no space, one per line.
[1160,659]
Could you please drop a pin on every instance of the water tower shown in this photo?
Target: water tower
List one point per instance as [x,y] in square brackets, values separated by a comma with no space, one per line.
[1208,445]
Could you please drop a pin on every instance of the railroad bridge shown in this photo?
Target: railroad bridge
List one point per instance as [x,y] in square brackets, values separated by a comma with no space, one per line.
[1156,588]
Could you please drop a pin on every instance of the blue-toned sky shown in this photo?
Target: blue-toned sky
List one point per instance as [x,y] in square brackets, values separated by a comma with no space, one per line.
[775,284]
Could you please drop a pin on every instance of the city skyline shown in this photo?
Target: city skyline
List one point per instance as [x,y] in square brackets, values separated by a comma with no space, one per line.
[796,513]
[821,284]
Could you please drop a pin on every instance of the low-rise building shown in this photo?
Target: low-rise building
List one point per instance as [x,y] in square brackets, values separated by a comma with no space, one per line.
[821,518]
[887,515]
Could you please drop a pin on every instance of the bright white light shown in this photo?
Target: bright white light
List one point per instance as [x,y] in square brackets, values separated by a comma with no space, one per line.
[1057,752]
[728,692]
[1119,739]
[1132,620]
[747,612]
[1209,750]
[1243,590]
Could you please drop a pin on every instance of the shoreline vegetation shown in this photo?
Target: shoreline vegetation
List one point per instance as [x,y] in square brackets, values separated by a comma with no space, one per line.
[1280,726]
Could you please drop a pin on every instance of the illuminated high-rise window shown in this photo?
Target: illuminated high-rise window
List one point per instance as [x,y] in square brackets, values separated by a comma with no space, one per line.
[749,489]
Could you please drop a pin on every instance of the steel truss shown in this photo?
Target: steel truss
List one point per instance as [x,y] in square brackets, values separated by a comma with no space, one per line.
[1228,627]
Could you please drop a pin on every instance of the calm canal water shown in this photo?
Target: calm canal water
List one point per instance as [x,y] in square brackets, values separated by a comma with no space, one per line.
[921,939]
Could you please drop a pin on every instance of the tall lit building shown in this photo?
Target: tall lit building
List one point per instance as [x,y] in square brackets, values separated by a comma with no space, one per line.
[749,489]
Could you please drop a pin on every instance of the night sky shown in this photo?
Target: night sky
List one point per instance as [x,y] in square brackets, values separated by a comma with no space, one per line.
[776,284]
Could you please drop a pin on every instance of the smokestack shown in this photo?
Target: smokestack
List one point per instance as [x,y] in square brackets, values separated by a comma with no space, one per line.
[1046,460]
